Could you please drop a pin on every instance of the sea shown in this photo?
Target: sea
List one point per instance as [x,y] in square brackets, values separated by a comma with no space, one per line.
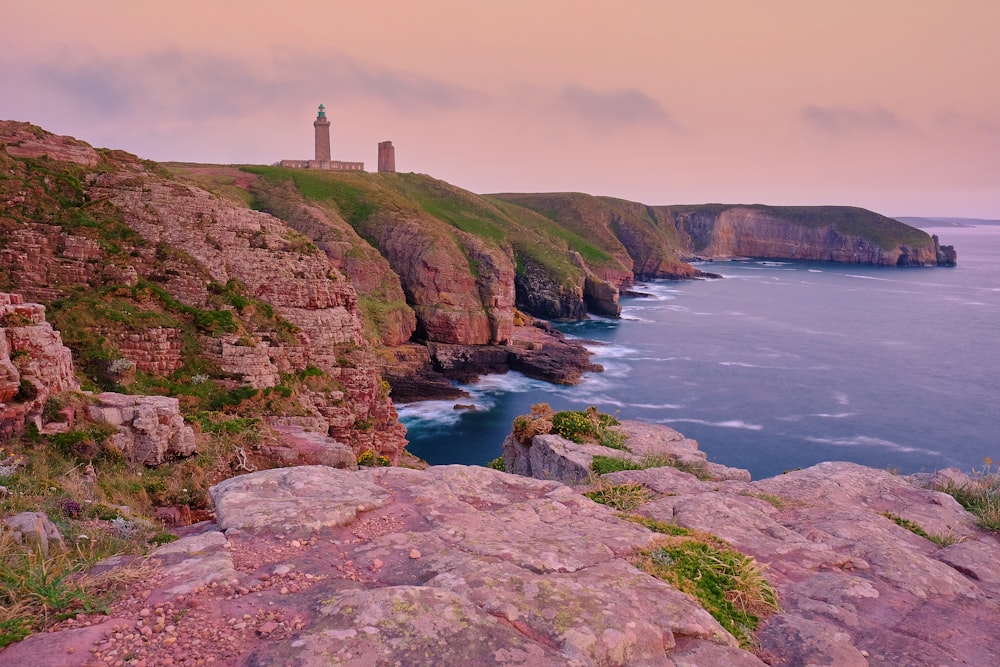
[779,365]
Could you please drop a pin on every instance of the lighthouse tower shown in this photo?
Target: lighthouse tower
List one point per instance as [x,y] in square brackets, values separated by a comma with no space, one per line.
[322,125]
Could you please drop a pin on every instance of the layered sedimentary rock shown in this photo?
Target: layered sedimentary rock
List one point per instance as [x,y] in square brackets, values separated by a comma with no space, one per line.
[151,429]
[390,320]
[822,233]
[34,364]
[121,221]
[452,565]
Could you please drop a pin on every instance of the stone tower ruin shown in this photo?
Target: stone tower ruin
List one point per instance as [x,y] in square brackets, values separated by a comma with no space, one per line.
[386,158]
[322,125]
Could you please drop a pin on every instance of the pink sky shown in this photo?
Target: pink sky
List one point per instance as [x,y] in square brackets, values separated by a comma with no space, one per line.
[893,105]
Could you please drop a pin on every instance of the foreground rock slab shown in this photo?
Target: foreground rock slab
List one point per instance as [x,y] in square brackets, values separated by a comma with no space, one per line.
[856,587]
[452,565]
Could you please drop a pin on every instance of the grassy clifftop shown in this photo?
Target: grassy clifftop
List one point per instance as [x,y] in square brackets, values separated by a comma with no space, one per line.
[852,221]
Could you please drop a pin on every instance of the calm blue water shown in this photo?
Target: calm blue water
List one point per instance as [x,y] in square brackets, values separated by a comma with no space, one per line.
[782,365]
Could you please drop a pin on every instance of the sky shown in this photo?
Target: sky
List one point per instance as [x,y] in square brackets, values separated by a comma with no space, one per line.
[893,105]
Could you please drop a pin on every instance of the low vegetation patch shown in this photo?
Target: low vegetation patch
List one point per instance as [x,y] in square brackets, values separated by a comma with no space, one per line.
[982,497]
[730,585]
[602,465]
[913,527]
[622,497]
[40,589]
[579,426]
[777,502]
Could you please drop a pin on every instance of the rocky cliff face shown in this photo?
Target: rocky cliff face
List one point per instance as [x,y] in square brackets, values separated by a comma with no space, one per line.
[389,321]
[34,364]
[830,234]
[107,221]
[651,240]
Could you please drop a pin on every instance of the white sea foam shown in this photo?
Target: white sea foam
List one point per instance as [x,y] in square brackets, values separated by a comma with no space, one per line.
[604,351]
[656,406]
[841,398]
[732,423]
[870,441]
[430,414]
[860,277]
[820,415]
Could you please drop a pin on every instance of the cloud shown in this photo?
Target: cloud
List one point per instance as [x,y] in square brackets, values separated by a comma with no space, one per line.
[952,120]
[200,86]
[848,120]
[614,109]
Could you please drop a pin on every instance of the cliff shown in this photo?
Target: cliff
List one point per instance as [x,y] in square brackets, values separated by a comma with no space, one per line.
[460,565]
[655,238]
[821,233]
[130,261]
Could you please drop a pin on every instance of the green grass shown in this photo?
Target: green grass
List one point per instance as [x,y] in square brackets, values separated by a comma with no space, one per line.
[728,584]
[777,502]
[586,425]
[355,203]
[913,527]
[848,220]
[982,497]
[602,465]
[622,497]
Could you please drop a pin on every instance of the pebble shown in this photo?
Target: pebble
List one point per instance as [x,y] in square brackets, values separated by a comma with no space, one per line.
[414,554]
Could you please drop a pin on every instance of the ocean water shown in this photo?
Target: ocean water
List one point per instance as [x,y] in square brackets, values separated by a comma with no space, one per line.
[781,365]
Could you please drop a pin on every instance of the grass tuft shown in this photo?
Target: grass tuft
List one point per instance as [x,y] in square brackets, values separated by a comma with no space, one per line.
[913,527]
[622,497]
[981,497]
[730,585]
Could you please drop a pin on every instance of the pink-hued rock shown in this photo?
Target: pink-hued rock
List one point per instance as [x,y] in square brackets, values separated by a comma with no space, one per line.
[855,587]
[26,141]
[34,529]
[279,266]
[151,429]
[31,353]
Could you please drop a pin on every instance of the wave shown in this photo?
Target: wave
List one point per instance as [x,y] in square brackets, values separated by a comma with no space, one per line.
[510,382]
[732,423]
[656,406]
[821,415]
[870,441]
[430,414]
[605,351]
[841,398]
[860,277]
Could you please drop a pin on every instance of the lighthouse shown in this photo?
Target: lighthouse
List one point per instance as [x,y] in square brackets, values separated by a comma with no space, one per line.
[322,125]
